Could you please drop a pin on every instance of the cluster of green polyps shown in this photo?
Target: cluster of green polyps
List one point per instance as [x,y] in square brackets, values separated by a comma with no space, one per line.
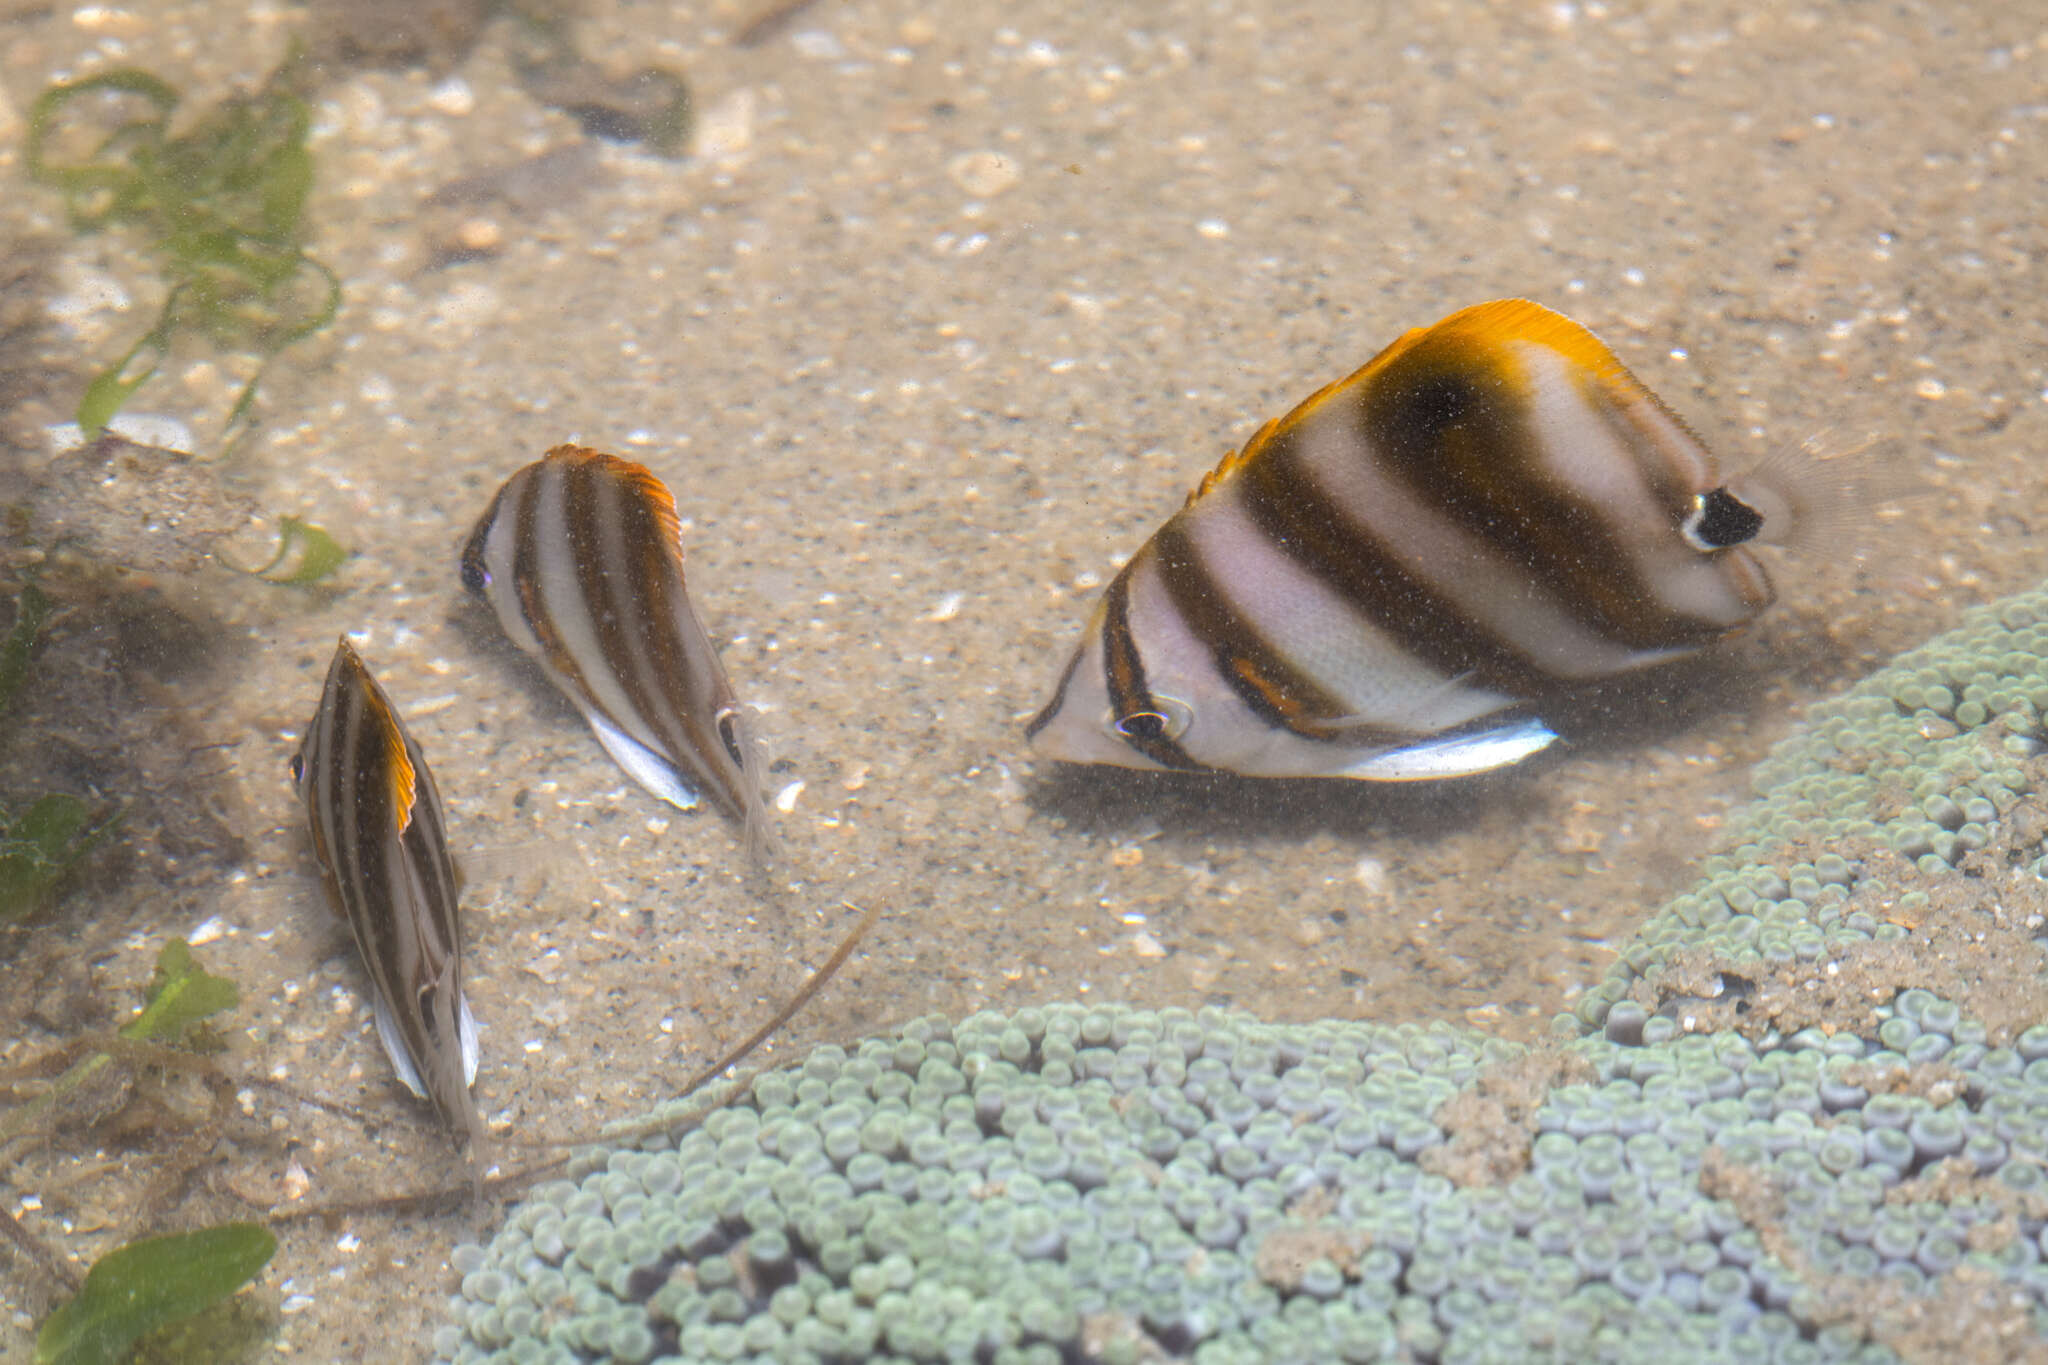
[1118,1185]
[1925,757]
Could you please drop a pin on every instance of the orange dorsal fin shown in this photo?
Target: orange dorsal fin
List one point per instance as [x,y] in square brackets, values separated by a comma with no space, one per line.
[1492,327]
[404,780]
[1483,326]
[652,494]
[1278,427]
[1506,320]
[643,488]
[1230,463]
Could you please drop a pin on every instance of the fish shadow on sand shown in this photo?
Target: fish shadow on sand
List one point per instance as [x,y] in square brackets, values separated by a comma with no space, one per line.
[1691,698]
[498,657]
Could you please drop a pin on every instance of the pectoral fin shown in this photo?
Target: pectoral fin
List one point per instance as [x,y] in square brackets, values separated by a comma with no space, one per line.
[394,1046]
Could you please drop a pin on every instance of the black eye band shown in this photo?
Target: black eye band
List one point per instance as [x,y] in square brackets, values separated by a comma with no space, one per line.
[1720,519]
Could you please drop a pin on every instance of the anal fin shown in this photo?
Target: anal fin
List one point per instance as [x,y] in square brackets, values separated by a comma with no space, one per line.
[1456,755]
[647,767]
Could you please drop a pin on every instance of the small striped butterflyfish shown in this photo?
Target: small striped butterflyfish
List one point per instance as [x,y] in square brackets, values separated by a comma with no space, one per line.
[581,556]
[381,839]
[1388,582]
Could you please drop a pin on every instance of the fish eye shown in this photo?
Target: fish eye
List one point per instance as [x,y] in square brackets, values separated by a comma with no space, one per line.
[475,576]
[298,767]
[1168,718]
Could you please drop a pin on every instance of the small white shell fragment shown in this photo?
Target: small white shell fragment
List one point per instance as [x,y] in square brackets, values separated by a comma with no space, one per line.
[947,607]
[144,429]
[453,97]
[208,930]
[726,129]
[107,20]
[818,45]
[1144,945]
[90,290]
[984,174]
[785,800]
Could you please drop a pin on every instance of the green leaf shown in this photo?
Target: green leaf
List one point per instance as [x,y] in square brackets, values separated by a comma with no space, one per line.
[38,847]
[319,554]
[111,388]
[180,995]
[31,609]
[107,394]
[139,1287]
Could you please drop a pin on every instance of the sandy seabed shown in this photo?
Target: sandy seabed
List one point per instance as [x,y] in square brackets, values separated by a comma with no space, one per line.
[949,307]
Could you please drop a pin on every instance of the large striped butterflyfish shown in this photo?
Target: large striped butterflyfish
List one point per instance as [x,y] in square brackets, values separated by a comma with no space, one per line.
[381,838]
[1390,581]
[581,556]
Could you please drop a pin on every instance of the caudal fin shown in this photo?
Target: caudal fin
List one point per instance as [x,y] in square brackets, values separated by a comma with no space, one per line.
[1820,493]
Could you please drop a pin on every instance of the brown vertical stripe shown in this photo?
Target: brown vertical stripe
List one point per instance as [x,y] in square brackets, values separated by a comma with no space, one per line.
[530,488]
[1449,422]
[620,598]
[1124,673]
[1304,521]
[1059,693]
[1264,681]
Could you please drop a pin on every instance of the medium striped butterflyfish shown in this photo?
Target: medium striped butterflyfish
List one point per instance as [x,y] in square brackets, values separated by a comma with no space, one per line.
[581,556]
[1390,581]
[381,839]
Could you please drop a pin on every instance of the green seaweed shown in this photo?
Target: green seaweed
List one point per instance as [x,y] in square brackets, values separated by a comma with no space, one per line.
[40,846]
[182,994]
[222,205]
[148,1283]
[41,843]
[31,609]
[319,554]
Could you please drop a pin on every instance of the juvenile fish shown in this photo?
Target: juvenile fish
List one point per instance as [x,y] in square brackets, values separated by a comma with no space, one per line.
[1390,580]
[381,838]
[581,556]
